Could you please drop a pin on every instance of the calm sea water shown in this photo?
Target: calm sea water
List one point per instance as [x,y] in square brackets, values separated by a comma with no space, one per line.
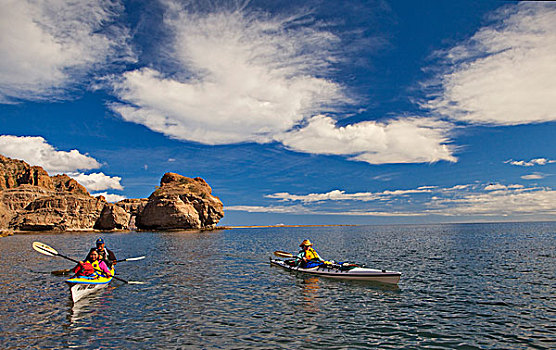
[463,287]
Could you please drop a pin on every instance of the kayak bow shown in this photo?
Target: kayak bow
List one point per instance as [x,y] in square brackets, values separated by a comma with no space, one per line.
[81,286]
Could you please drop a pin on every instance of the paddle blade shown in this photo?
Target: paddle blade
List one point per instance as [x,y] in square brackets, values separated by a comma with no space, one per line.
[44,249]
[134,259]
[283,254]
[61,272]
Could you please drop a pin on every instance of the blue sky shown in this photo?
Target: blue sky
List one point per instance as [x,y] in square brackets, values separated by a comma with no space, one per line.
[313,112]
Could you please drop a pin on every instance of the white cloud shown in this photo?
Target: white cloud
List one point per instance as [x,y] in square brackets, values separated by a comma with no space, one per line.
[295,209]
[505,74]
[244,76]
[241,78]
[534,176]
[45,44]
[509,202]
[532,162]
[110,197]
[335,195]
[36,151]
[409,140]
[97,181]
[338,195]
[460,201]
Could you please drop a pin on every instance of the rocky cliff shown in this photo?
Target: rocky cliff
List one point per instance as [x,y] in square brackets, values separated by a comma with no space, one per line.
[181,202]
[30,200]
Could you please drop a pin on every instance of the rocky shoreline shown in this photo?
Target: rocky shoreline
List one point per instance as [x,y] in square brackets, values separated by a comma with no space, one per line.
[31,201]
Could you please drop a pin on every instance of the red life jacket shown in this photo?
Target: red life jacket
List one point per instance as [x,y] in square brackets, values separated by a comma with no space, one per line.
[84,269]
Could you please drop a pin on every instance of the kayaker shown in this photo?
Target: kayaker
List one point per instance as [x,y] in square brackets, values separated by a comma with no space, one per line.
[308,257]
[106,254]
[91,265]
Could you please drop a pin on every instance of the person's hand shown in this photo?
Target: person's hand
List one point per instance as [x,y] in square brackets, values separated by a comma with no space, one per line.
[114,262]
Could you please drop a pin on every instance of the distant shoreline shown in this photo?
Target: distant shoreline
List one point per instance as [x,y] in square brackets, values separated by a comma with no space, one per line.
[271,226]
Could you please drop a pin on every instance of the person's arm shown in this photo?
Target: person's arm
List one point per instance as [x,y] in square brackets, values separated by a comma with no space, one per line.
[78,267]
[104,268]
[318,256]
[112,257]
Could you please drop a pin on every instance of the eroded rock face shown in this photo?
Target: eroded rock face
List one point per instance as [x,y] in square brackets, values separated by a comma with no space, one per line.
[181,203]
[14,172]
[59,212]
[113,217]
[33,201]
[30,200]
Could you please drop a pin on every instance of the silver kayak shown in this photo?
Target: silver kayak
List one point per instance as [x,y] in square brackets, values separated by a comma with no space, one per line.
[343,271]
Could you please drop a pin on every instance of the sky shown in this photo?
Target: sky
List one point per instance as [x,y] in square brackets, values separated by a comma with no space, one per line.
[294,112]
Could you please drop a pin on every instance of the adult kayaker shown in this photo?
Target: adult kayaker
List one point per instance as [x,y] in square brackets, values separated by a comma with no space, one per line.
[91,265]
[105,254]
[308,257]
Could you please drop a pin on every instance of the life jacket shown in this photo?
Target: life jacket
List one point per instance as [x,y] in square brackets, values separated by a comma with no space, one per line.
[85,269]
[311,254]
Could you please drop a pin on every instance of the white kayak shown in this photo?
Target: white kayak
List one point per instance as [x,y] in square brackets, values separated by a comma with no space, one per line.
[343,271]
[81,286]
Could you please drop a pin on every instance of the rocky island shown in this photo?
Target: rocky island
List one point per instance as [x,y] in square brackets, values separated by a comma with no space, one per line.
[31,200]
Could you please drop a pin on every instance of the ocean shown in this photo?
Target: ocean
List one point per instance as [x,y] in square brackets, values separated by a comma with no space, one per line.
[463,286]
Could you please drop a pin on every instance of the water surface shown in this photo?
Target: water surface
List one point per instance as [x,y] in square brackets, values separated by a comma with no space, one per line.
[468,286]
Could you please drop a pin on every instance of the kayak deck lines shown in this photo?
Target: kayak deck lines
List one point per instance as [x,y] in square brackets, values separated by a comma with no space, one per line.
[336,271]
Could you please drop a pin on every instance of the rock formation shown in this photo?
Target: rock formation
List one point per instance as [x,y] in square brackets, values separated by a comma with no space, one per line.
[181,202]
[30,200]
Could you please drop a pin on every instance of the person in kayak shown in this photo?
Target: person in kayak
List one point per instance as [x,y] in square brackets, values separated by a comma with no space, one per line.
[105,254]
[308,257]
[91,265]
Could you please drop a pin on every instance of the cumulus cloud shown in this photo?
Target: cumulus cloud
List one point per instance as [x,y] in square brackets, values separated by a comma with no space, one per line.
[241,78]
[46,44]
[505,73]
[36,151]
[532,162]
[97,181]
[409,140]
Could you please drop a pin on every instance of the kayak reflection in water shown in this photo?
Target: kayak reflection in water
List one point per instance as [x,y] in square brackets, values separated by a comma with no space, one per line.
[308,257]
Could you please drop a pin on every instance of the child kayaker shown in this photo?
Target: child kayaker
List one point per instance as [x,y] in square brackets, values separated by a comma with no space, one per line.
[308,257]
[91,265]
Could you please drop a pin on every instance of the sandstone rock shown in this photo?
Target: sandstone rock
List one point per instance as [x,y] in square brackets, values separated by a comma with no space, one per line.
[59,212]
[64,183]
[30,200]
[133,206]
[113,217]
[181,203]
[14,172]
[6,232]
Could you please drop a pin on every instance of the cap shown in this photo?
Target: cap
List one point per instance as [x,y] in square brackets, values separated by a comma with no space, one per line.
[100,241]
[306,242]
